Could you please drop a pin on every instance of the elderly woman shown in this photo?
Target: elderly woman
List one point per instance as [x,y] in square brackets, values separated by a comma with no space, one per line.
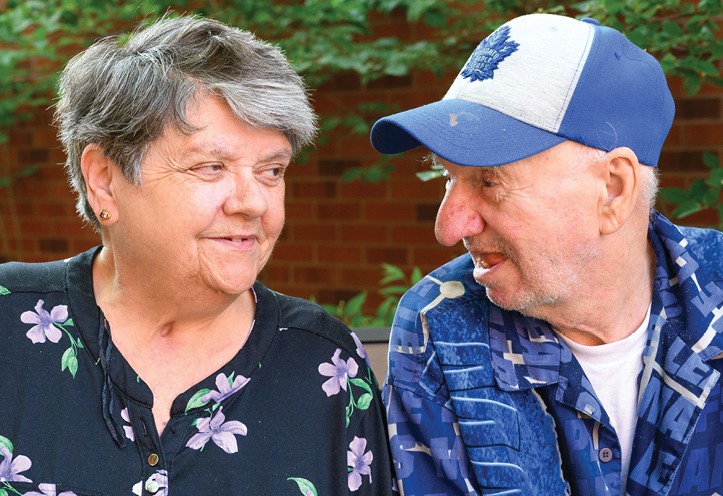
[155,363]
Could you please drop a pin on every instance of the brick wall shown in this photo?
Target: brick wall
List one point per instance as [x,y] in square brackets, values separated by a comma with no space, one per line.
[337,234]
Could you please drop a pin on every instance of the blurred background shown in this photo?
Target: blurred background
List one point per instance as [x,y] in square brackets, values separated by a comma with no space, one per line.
[359,226]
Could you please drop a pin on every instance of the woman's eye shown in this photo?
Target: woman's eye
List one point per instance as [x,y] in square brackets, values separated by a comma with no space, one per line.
[209,168]
[274,172]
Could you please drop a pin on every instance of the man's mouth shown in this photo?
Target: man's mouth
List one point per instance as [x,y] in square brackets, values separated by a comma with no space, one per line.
[485,261]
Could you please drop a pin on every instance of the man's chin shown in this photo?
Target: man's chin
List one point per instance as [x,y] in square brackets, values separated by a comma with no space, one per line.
[519,301]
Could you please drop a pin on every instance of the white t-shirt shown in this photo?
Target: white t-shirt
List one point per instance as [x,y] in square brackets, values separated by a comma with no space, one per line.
[613,371]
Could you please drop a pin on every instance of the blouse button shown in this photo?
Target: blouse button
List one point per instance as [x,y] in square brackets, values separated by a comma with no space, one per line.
[152,459]
[606,454]
[152,486]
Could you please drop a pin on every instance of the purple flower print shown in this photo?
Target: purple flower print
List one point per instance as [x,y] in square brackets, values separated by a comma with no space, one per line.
[359,462]
[222,433]
[338,370]
[49,490]
[127,428]
[225,389]
[10,469]
[157,484]
[360,349]
[44,321]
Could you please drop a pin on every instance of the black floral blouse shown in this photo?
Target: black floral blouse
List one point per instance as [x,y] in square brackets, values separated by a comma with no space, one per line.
[297,411]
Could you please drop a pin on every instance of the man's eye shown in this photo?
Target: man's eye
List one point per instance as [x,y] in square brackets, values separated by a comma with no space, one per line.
[487,183]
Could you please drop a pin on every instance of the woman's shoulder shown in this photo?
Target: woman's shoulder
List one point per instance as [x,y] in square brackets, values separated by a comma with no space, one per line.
[298,313]
[24,277]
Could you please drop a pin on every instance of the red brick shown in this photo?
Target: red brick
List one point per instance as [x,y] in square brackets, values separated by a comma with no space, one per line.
[703,134]
[313,232]
[359,189]
[394,256]
[413,234]
[277,273]
[389,211]
[339,211]
[325,189]
[316,275]
[416,189]
[431,258]
[362,277]
[339,254]
[299,211]
[674,136]
[364,233]
[293,253]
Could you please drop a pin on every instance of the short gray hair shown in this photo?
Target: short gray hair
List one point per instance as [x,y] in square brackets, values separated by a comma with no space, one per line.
[123,95]
[649,176]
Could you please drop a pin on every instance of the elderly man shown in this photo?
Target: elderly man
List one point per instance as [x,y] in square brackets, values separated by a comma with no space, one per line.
[574,349]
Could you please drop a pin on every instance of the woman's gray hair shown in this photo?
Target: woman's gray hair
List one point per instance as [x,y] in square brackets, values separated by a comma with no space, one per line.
[122,95]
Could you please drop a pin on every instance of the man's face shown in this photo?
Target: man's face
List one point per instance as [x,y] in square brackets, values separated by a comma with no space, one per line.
[211,204]
[531,226]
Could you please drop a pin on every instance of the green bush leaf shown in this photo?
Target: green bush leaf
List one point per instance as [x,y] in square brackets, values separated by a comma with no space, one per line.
[305,486]
[711,197]
[692,83]
[428,175]
[698,189]
[400,290]
[711,160]
[706,67]
[391,273]
[354,305]
[416,275]
[715,179]
[675,195]
[686,208]
[195,400]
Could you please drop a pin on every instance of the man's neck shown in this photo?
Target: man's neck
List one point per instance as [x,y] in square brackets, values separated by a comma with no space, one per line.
[612,306]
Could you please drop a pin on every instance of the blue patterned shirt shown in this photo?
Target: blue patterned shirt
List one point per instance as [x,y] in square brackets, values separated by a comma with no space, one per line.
[485,401]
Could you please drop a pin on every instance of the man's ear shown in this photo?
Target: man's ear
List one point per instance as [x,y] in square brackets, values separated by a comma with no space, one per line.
[621,173]
[98,172]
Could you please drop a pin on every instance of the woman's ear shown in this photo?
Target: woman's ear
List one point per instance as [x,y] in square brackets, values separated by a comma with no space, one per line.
[621,173]
[98,172]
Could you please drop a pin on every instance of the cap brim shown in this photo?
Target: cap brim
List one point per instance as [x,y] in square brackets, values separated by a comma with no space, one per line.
[462,132]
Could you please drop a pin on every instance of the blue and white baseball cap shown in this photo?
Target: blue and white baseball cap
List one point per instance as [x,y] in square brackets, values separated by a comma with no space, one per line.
[535,82]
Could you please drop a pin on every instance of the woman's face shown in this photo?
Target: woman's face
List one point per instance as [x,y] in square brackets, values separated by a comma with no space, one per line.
[210,207]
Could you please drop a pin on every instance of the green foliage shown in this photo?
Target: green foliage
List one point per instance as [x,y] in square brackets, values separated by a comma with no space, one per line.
[702,195]
[394,284]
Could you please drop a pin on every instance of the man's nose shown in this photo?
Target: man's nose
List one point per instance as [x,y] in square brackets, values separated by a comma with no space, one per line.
[457,218]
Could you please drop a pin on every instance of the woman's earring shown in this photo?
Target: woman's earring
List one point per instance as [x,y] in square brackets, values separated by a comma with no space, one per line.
[104,215]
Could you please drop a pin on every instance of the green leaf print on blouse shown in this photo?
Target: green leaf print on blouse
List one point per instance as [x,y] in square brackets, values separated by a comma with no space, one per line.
[226,387]
[215,427]
[48,326]
[305,486]
[342,374]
